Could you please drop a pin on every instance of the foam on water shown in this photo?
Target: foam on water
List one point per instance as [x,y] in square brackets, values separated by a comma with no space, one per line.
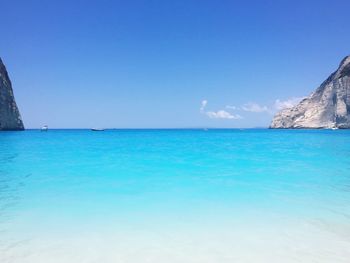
[175,196]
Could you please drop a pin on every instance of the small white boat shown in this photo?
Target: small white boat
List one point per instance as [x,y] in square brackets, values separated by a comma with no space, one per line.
[44,128]
[97,129]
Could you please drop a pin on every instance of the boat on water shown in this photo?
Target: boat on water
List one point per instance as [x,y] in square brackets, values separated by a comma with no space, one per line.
[44,128]
[97,129]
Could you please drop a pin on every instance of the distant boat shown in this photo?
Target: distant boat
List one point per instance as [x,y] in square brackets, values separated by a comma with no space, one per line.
[97,129]
[334,128]
[44,128]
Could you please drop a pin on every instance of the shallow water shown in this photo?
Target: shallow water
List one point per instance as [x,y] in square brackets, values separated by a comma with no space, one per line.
[175,196]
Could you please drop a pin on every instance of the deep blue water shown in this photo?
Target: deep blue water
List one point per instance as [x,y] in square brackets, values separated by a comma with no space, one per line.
[253,195]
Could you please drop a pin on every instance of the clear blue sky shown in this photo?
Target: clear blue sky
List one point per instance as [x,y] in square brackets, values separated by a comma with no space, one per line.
[152,63]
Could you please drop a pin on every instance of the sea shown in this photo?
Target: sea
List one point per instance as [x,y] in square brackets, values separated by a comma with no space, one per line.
[175,196]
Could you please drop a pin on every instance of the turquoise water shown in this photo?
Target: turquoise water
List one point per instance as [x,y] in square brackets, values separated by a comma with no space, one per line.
[175,196]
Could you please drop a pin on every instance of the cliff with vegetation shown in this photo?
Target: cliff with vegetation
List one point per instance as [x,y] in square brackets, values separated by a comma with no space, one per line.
[10,118]
[327,107]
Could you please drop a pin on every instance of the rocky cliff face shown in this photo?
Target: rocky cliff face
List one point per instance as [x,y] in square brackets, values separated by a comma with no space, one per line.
[10,118]
[327,107]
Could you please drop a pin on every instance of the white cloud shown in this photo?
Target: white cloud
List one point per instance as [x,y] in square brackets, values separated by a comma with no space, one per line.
[254,107]
[203,105]
[289,103]
[221,114]
[230,112]
[231,107]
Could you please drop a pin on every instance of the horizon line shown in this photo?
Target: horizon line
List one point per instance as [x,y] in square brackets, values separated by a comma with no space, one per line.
[155,128]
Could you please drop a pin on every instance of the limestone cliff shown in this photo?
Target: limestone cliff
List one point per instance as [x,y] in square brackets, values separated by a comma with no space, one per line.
[327,107]
[10,118]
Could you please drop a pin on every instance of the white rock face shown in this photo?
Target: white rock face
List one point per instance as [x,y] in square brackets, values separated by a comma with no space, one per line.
[10,118]
[327,107]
